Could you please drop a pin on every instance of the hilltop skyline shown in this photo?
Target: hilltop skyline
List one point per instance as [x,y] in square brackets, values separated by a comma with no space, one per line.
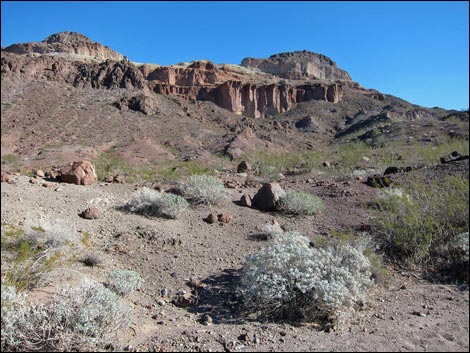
[416,51]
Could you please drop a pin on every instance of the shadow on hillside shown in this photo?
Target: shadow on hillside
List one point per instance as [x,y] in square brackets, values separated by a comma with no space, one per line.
[217,298]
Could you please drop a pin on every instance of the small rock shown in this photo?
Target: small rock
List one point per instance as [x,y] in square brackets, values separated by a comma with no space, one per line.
[39,173]
[211,218]
[326,164]
[33,181]
[119,179]
[47,185]
[245,200]
[225,217]
[108,179]
[207,319]
[92,213]
[161,302]
[184,300]
[418,313]
[5,178]
[244,167]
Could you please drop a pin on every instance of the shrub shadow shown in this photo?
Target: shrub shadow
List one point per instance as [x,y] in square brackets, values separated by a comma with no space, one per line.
[217,297]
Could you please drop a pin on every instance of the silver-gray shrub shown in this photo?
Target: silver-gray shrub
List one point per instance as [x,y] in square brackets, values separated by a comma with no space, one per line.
[290,280]
[123,282]
[52,233]
[300,203]
[76,318]
[204,189]
[153,203]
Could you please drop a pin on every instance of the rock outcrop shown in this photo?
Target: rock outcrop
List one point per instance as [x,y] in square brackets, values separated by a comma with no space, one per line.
[256,101]
[71,44]
[259,88]
[298,65]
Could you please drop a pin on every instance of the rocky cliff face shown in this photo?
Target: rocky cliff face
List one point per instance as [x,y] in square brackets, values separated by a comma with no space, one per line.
[298,65]
[69,44]
[255,90]
[242,94]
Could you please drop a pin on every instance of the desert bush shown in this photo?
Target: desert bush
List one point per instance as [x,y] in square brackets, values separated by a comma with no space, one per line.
[123,282]
[75,319]
[34,252]
[153,203]
[290,280]
[52,233]
[269,165]
[422,227]
[300,203]
[272,230]
[204,189]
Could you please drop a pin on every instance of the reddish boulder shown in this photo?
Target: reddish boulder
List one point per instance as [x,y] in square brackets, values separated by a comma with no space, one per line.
[80,173]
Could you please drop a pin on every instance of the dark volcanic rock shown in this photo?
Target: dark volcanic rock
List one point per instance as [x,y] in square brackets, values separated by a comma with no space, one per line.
[267,197]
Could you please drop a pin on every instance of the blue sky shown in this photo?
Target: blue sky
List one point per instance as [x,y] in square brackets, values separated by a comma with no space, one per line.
[418,51]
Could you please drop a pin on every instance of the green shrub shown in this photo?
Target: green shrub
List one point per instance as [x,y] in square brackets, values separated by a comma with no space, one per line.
[204,189]
[422,226]
[36,251]
[290,280]
[153,203]
[300,203]
[269,165]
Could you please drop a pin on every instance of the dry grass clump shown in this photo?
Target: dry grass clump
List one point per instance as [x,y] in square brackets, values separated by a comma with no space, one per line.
[204,189]
[153,203]
[300,203]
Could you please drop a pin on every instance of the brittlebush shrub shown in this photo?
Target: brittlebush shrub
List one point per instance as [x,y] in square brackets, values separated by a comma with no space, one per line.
[123,282]
[291,280]
[76,319]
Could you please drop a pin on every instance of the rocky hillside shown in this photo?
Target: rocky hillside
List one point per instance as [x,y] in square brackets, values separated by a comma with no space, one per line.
[198,108]
[67,44]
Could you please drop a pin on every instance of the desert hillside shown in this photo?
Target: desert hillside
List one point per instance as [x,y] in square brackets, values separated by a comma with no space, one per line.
[274,205]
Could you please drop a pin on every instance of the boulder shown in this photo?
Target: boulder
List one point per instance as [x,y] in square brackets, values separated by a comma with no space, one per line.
[79,173]
[267,197]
